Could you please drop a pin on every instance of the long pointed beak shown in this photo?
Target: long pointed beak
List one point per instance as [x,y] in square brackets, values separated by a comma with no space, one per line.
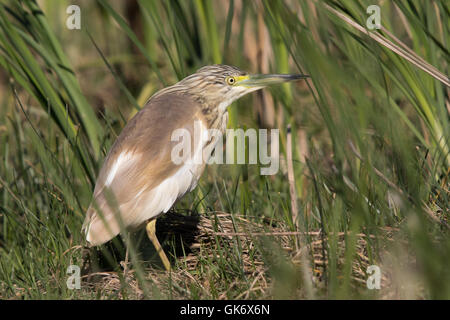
[264,80]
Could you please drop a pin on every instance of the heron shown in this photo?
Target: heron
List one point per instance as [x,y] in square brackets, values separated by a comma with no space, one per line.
[138,172]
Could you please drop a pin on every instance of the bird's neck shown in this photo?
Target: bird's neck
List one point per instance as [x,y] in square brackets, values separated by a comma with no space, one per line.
[215,114]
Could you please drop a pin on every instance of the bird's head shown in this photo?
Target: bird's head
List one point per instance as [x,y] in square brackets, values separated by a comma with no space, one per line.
[222,84]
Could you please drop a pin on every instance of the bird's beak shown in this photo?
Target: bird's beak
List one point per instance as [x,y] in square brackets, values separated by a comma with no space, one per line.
[264,80]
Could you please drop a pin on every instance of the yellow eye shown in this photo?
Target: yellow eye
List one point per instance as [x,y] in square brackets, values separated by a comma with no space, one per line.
[230,81]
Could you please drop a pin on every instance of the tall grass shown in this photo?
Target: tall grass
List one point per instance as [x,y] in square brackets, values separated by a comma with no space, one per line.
[370,139]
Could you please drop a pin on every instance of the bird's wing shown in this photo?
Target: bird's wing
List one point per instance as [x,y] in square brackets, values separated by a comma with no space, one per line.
[138,179]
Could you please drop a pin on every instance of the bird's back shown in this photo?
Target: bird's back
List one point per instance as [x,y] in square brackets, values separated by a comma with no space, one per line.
[139,180]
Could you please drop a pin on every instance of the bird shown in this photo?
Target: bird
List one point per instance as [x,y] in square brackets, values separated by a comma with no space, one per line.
[138,181]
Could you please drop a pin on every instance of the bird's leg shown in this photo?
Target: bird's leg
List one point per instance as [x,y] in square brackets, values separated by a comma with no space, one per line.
[125,271]
[151,232]
[125,263]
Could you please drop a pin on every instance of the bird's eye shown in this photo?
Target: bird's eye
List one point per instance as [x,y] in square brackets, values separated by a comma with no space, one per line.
[230,80]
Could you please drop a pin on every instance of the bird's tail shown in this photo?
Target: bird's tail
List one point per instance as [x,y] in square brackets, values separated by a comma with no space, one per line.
[99,228]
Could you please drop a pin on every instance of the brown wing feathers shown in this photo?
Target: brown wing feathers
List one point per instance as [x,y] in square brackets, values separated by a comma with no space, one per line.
[139,160]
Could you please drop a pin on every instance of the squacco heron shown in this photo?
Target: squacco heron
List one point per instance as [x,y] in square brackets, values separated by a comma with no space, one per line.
[138,171]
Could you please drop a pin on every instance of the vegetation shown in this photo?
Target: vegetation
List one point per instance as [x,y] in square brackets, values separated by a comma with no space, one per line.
[364,172]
